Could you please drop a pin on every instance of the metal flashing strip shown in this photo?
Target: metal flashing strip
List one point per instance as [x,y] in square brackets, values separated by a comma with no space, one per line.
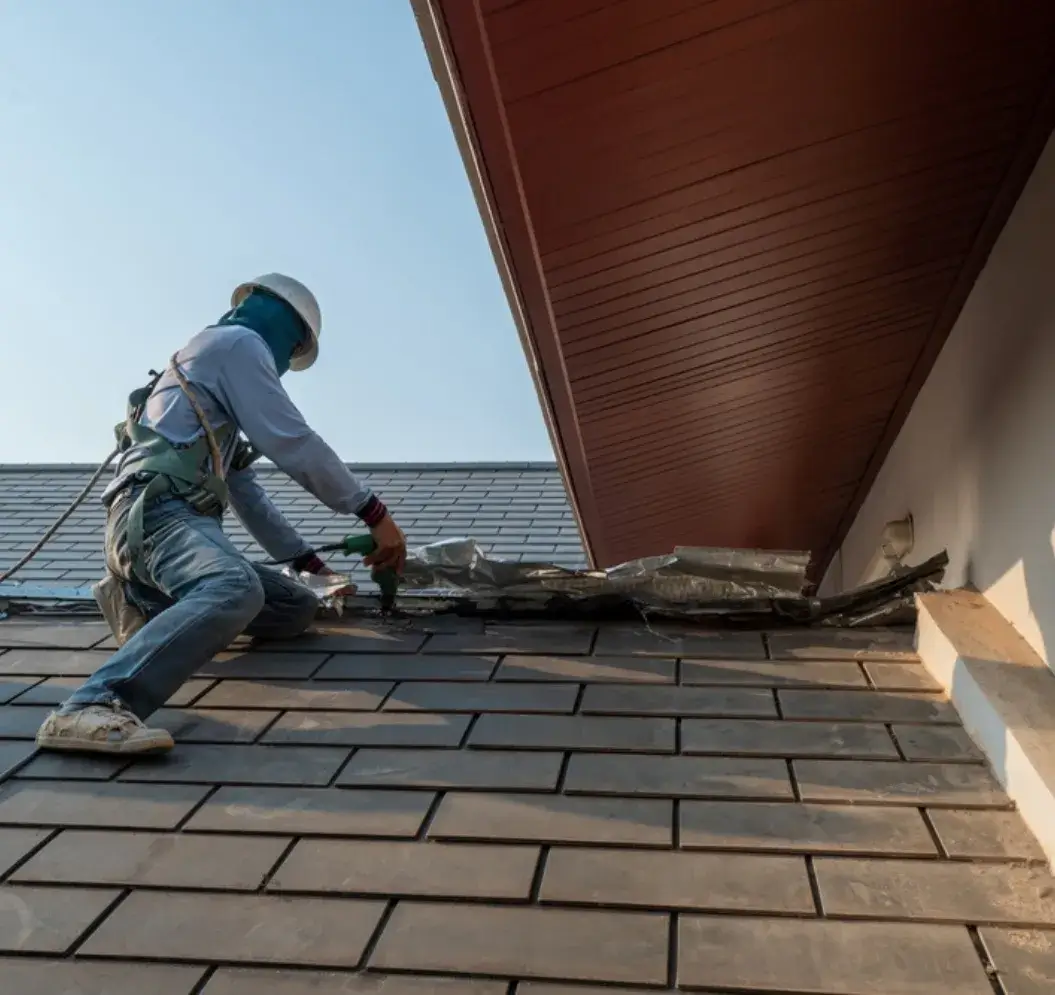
[748,587]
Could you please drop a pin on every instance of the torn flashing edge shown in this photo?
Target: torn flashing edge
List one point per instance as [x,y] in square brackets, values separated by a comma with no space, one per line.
[692,584]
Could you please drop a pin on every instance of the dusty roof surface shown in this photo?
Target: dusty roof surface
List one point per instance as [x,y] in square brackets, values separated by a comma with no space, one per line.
[516,809]
[515,510]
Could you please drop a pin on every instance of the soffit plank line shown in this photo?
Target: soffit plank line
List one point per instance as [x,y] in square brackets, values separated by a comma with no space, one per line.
[862,362]
[717,469]
[684,166]
[771,27]
[598,145]
[754,240]
[806,270]
[766,294]
[605,437]
[752,387]
[742,384]
[742,305]
[744,497]
[647,45]
[747,488]
[717,475]
[740,424]
[832,309]
[751,243]
[739,399]
[1007,195]
[471,71]
[621,94]
[968,50]
[786,342]
[676,214]
[575,211]
[594,375]
[740,452]
[729,422]
[784,431]
[743,493]
[711,244]
[582,213]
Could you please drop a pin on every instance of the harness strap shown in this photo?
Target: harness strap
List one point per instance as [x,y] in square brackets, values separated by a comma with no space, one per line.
[154,489]
[214,448]
[206,496]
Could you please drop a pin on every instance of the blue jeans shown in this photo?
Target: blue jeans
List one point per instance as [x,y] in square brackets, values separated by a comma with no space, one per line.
[203,594]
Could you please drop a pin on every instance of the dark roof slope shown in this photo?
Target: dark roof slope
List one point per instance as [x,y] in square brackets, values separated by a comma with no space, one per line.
[453,808]
[515,510]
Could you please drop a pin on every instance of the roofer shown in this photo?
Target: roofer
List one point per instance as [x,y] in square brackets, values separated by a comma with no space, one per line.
[177,590]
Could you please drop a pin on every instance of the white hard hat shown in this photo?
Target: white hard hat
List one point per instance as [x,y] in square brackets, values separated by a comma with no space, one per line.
[298,297]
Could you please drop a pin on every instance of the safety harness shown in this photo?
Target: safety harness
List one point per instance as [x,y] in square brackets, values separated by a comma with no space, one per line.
[193,472]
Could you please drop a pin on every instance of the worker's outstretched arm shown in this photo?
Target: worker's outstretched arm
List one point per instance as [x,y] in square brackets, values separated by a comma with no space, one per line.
[264,522]
[254,395]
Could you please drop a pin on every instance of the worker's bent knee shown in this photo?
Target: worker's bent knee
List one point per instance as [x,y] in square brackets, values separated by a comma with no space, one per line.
[237,591]
[252,595]
[289,609]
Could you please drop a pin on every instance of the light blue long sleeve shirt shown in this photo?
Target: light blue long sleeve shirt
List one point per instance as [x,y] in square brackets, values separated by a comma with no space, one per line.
[235,380]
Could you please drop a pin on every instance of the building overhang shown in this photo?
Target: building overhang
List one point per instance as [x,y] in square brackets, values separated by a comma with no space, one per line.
[735,234]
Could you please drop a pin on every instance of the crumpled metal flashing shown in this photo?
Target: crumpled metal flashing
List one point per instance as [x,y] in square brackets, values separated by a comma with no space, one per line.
[748,587]
[324,587]
[687,575]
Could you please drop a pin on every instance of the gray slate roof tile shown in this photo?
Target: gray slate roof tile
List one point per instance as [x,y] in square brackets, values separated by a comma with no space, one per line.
[454,804]
[516,511]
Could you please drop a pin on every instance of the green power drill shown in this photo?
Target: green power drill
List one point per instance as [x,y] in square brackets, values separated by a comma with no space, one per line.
[363,545]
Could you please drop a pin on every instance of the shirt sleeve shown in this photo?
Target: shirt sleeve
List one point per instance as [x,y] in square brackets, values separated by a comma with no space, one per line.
[264,522]
[254,396]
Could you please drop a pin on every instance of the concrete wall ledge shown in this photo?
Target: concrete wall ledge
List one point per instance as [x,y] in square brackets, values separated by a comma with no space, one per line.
[1004,693]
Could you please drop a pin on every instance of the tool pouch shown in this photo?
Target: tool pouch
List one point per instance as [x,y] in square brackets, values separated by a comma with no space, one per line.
[124,618]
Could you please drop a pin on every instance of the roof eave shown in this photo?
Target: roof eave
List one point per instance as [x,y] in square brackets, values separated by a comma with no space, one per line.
[543,357]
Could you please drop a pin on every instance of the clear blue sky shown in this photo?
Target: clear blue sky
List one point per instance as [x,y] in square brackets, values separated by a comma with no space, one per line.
[157,152]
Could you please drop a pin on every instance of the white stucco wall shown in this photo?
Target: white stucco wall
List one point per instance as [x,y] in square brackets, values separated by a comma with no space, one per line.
[975,461]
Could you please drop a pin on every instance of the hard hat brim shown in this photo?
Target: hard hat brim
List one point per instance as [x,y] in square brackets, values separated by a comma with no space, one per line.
[302,360]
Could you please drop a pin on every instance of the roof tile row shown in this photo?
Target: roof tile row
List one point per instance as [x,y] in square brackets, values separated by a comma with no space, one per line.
[516,511]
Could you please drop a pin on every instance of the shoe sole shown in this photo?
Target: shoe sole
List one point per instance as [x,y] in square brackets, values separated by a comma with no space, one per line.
[66,745]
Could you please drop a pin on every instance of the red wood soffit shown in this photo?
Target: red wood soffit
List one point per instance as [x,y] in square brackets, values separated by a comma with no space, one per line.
[470,52]
[756,375]
[1010,189]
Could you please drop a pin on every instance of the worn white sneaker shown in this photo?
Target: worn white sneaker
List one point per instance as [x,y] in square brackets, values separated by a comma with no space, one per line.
[101,729]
